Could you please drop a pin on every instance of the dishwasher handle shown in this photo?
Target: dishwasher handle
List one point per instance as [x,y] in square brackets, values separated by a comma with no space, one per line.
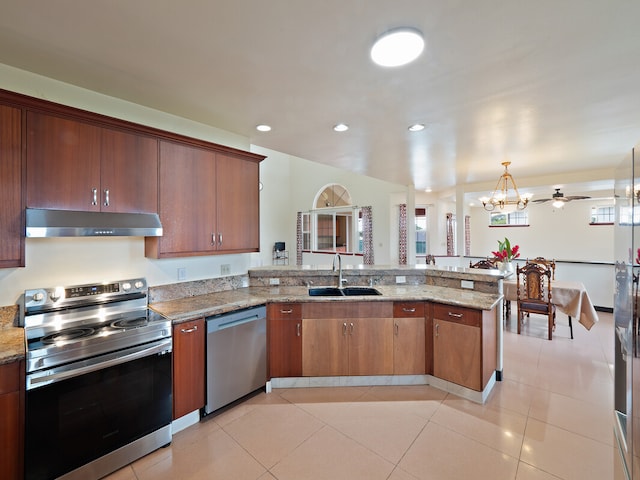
[222,322]
[239,321]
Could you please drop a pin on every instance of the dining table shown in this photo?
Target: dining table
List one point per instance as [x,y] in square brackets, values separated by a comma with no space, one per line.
[570,297]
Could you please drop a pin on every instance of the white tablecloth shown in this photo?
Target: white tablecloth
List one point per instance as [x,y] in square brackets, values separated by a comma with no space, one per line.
[571,298]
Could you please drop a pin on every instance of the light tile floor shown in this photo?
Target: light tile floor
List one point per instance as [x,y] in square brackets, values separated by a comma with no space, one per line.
[549,419]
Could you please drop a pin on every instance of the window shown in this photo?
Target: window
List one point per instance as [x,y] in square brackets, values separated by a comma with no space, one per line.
[602,215]
[421,231]
[629,215]
[334,225]
[506,219]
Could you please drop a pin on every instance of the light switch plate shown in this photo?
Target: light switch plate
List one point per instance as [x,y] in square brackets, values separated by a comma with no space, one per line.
[274,281]
[401,279]
[182,273]
[225,269]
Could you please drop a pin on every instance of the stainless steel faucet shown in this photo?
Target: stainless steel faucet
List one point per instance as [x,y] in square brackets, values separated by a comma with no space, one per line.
[340,279]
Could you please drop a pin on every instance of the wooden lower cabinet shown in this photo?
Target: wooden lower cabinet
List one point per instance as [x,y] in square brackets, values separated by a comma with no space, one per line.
[284,338]
[409,338]
[188,367]
[464,345]
[12,420]
[347,338]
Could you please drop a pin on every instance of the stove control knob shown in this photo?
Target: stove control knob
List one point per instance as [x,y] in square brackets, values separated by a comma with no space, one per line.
[55,295]
[126,286]
[38,296]
[139,284]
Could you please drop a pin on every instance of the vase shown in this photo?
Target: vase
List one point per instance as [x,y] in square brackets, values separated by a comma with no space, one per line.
[507,268]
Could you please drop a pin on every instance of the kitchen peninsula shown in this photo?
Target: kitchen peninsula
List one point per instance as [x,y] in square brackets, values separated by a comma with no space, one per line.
[455,310]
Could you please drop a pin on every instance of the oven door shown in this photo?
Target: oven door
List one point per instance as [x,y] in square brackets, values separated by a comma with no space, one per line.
[78,413]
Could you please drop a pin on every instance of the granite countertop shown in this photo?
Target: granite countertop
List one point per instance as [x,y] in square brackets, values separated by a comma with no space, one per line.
[184,309]
[12,347]
[11,337]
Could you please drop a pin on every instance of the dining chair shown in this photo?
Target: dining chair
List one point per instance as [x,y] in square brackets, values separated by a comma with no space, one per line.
[430,259]
[491,264]
[485,263]
[550,264]
[533,288]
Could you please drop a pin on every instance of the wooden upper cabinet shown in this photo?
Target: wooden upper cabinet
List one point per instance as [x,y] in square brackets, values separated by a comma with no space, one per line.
[238,201]
[75,165]
[209,203]
[129,172]
[187,202]
[12,230]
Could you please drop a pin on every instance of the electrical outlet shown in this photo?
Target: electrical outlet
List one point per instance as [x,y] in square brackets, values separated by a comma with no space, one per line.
[401,279]
[225,269]
[274,281]
[182,273]
[466,284]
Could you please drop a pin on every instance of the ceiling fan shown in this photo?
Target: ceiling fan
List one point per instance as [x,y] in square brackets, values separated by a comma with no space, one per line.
[559,199]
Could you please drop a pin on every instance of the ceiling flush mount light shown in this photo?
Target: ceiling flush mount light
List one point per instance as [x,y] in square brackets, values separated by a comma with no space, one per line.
[263,128]
[397,47]
[416,127]
[501,194]
[341,127]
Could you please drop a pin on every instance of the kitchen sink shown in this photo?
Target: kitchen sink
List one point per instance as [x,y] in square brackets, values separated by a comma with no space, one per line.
[342,292]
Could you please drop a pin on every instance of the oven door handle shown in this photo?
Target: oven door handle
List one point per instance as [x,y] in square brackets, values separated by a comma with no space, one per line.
[46,377]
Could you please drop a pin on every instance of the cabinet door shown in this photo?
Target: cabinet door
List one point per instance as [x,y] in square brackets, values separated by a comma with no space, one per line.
[371,346]
[409,342]
[188,367]
[129,172]
[325,347]
[187,202]
[238,204]
[63,163]
[284,334]
[457,353]
[12,244]
[11,420]
[409,346]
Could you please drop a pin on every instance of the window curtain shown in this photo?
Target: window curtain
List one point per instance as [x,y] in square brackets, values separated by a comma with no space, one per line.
[367,235]
[467,235]
[299,239]
[450,245]
[402,235]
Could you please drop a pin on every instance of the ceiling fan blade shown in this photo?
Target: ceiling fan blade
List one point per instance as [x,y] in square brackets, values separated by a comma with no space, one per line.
[541,200]
[577,197]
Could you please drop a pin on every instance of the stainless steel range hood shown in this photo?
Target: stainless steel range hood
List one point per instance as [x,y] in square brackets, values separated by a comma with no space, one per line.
[69,223]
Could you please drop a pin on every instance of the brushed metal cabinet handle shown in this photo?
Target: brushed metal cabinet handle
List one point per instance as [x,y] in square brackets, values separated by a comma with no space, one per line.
[286,311]
[456,315]
[94,196]
[189,330]
[409,310]
[437,327]
[297,329]
[106,197]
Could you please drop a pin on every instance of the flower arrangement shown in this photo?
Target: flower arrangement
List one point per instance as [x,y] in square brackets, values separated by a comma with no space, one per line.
[506,252]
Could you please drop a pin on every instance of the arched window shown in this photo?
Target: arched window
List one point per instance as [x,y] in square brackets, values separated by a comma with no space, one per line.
[334,224]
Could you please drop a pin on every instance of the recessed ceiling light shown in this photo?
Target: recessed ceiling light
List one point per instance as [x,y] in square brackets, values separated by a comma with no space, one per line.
[416,127]
[341,127]
[263,128]
[397,47]
[428,190]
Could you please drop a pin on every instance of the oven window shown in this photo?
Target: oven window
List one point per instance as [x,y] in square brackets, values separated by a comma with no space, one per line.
[75,421]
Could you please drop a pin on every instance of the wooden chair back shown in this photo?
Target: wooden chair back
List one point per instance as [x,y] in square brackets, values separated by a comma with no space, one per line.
[485,263]
[550,264]
[430,259]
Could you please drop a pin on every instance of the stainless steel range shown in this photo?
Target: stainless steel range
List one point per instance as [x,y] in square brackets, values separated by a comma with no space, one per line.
[98,366]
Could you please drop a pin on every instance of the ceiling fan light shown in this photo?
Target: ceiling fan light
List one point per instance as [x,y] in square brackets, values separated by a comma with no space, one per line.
[558,204]
[397,47]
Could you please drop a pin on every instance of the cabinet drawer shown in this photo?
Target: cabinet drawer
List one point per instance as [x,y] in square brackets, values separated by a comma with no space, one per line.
[465,316]
[408,309]
[284,311]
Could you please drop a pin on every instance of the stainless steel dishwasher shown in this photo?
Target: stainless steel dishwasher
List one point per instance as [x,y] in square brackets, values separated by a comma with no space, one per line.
[236,355]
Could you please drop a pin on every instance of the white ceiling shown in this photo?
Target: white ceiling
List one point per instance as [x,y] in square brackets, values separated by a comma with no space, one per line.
[552,86]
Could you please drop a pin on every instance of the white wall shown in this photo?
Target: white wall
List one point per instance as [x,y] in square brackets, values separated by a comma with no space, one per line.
[563,234]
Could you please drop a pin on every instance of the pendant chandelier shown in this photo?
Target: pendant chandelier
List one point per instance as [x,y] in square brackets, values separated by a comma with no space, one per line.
[500,196]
